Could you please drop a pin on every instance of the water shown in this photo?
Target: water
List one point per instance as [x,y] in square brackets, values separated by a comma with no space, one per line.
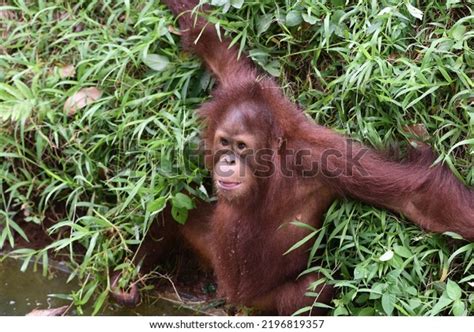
[21,292]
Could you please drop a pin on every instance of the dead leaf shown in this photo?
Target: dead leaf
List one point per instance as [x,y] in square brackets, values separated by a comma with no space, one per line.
[418,131]
[79,27]
[444,274]
[61,15]
[49,312]
[80,99]
[7,14]
[67,71]
[174,31]
[419,135]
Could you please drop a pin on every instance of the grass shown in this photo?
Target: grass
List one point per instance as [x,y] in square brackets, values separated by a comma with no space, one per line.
[103,171]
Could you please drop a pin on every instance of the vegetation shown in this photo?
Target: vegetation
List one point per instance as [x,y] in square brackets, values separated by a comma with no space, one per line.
[97,130]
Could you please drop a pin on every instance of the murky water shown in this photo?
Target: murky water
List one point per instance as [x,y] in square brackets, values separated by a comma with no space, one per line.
[21,292]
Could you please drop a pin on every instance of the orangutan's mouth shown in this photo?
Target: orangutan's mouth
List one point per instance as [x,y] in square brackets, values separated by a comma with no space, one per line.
[228,185]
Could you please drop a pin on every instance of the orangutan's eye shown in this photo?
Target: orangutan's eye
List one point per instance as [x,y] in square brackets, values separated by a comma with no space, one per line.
[224,142]
[241,145]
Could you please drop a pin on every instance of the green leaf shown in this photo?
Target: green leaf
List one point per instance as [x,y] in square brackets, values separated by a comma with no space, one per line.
[377,291]
[469,141]
[426,93]
[388,255]
[273,68]
[453,235]
[458,31]
[453,291]
[309,19]
[402,251]
[219,3]
[180,215]
[442,303]
[18,229]
[338,3]
[89,290]
[100,301]
[368,311]
[360,272]
[451,3]
[415,12]
[237,3]
[388,303]
[45,263]
[25,264]
[340,311]
[182,201]
[133,193]
[411,290]
[459,308]
[414,303]
[264,23]
[293,18]
[156,62]
[157,205]
[301,242]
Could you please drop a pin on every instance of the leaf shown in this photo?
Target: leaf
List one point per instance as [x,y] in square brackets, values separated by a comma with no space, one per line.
[426,93]
[458,31]
[18,229]
[301,242]
[340,311]
[387,256]
[388,303]
[451,3]
[415,12]
[156,62]
[67,71]
[458,144]
[309,19]
[25,264]
[133,193]
[182,201]
[7,14]
[219,3]
[377,291]
[360,272]
[411,290]
[293,18]
[453,290]
[417,130]
[99,302]
[442,303]
[45,262]
[414,303]
[458,308]
[453,235]
[368,311]
[237,3]
[402,251]
[264,23]
[180,215]
[157,205]
[385,10]
[80,99]
[49,312]
[273,68]
[338,3]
